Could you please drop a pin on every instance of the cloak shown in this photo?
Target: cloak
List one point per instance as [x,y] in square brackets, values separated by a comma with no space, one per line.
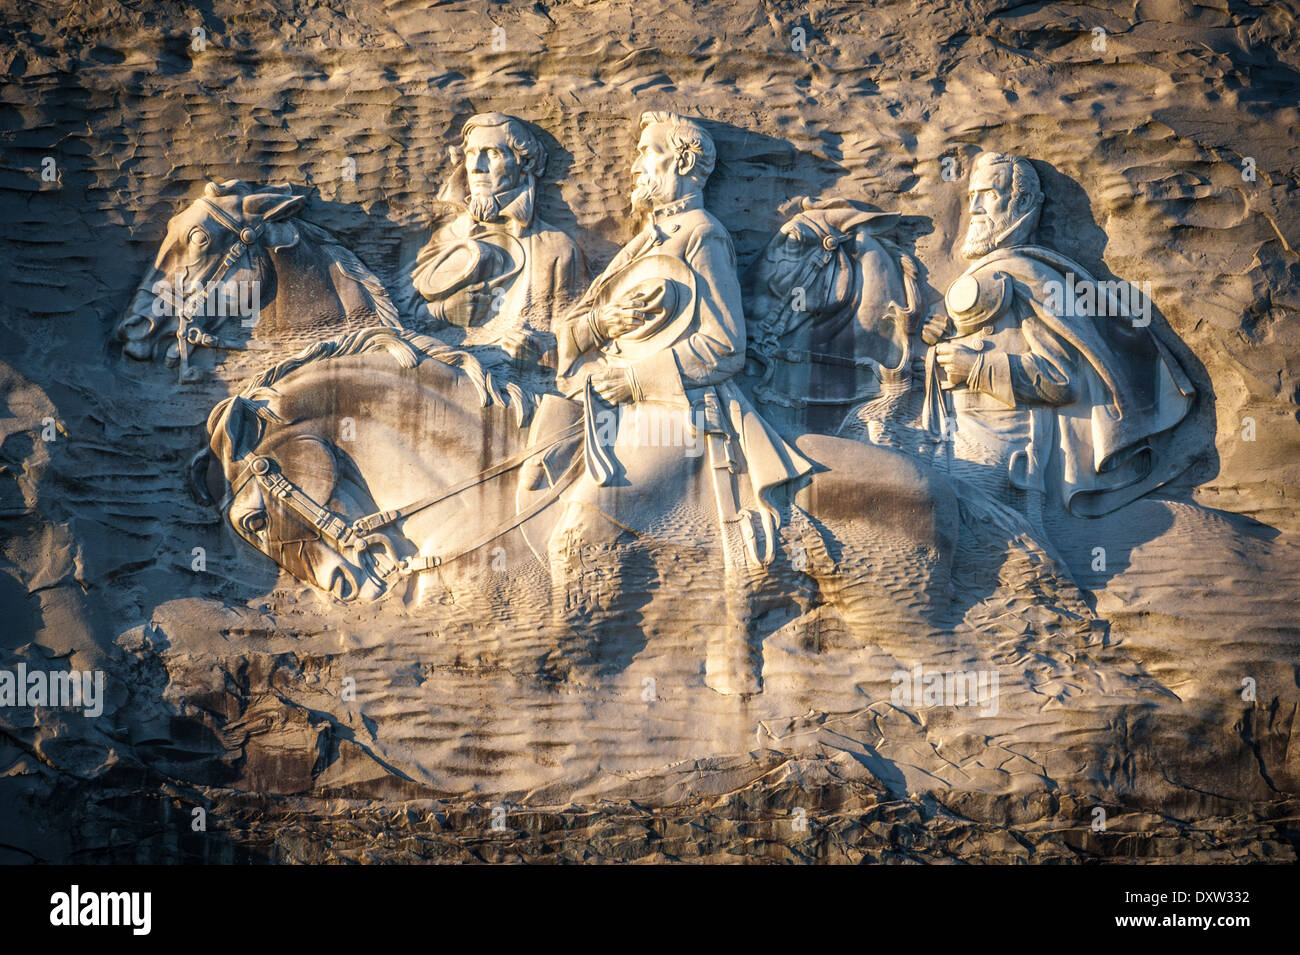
[1113,440]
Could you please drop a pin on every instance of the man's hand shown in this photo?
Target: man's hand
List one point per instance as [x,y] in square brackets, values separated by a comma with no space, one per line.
[956,361]
[612,385]
[932,331]
[469,306]
[617,319]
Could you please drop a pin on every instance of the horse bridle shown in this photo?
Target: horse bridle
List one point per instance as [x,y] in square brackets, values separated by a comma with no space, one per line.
[188,332]
[361,537]
[797,356]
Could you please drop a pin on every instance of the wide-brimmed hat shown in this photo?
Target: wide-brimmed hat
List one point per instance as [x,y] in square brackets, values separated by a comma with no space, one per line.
[460,263]
[667,285]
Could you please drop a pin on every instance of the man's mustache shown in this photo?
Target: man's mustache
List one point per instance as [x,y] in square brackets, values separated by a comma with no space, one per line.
[647,189]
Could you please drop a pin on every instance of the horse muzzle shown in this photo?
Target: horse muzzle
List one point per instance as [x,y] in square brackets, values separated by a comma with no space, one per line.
[344,580]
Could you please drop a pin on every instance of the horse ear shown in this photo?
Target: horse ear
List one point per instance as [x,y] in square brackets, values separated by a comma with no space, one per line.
[271,206]
[235,427]
[793,206]
[281,235]
[231,187]
[200,465]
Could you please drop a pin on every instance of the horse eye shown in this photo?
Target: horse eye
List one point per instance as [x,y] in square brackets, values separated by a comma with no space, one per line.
[256,523]
[198,237]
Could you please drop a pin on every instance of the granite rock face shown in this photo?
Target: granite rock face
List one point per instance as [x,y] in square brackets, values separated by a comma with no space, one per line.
[247,716]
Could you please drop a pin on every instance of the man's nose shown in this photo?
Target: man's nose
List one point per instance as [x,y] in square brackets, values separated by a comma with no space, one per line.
[480,163]
[976,205]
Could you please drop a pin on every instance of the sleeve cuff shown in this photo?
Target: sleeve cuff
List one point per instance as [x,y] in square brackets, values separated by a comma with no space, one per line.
[991,374]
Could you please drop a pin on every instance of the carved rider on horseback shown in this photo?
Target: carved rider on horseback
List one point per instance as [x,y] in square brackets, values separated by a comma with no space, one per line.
[657,340]
[497,273]
[651,351]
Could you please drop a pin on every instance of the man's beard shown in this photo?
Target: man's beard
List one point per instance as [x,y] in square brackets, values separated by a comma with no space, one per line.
[982,237]
[482,204]
[649,193]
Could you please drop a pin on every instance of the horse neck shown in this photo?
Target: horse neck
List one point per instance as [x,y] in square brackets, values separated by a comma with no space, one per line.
[411,431]
[302,290]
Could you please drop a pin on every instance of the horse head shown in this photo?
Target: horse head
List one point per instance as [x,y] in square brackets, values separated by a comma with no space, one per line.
[832,306]
[252,451]
[192,253]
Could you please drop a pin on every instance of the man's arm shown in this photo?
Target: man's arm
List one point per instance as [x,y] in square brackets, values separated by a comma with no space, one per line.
[716,350]
[575,334]
[569,279]
[561,280]
[577,328]
[1047,373]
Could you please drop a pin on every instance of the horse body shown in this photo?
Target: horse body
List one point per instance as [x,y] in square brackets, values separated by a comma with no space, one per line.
[372,423]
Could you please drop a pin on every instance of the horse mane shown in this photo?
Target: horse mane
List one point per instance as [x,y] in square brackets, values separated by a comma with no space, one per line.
[407,349]
[351,267]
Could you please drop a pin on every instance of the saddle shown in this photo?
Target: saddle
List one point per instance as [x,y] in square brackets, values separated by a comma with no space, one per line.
[548,474]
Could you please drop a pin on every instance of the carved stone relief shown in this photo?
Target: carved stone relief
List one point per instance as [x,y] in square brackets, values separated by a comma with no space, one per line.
[633,448]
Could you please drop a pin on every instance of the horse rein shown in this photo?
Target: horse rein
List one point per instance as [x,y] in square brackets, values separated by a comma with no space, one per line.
[187,331]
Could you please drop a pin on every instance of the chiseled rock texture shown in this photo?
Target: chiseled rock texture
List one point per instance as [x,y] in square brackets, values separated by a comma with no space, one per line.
[1169,152]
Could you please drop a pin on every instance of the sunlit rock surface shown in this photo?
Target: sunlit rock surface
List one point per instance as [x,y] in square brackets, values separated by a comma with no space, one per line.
[1159,686]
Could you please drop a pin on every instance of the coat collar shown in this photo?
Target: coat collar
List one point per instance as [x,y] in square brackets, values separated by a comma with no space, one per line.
[682,205]
[515,209]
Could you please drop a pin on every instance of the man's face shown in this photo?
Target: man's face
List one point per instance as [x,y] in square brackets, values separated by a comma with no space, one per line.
[992,209]
[654,170]
[490,164]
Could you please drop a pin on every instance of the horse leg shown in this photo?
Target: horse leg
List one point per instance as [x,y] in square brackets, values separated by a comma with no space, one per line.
[733,664]
[600,576]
